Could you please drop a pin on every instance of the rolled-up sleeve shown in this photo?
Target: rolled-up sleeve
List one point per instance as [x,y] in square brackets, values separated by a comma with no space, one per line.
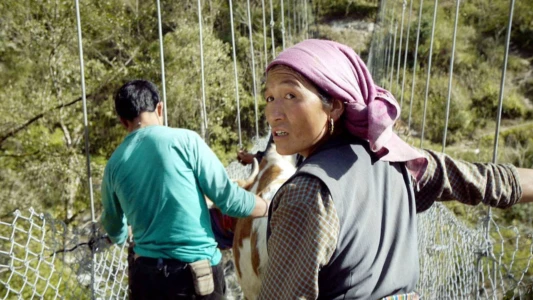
[112,219]
[445,179]
[304,232]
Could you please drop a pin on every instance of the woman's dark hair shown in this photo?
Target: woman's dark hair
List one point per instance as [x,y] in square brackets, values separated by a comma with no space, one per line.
[325,97]
[135,97]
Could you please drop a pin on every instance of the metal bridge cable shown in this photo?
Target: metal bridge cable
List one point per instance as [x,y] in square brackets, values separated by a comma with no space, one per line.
[253,70]
[406,51]
[392,45]
[282,25]
[289,23]
[295,23]
[393,54]
[428,72]
[303,17]
[85,119]
[272,30]
[371,62]
[161,54]
[502,82]
[300,19]
[235,73]
[203,109]
[370,58]
[306,20]
[379,62]
[448,98]
[264,33]
[414,64]
[383,78]
[400,46]
[389,52]
[296,17]
[86,131]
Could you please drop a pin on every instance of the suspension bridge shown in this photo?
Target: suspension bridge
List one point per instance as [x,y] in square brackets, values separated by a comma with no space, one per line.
[46,258]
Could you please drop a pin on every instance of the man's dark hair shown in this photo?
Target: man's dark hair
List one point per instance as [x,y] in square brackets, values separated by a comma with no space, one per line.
[135,97]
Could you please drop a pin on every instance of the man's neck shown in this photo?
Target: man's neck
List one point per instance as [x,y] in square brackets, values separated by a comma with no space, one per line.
[143,120]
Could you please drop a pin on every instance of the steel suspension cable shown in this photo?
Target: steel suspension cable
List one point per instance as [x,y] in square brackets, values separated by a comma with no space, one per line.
[406,50]
[306,20]
[295,21]
[203,110]
[404,4]
[162,57]
[429,72]
[392,45]
[448,98]
[393,54]
[264,33]
[376,47]
[298,15]
[414,64]
[388,57]
[502,82]
[253,70]
[272,30]
[289,23]
[86,137]
[385,48]
[282,25]
[85,118]
[235,74]
[497,131]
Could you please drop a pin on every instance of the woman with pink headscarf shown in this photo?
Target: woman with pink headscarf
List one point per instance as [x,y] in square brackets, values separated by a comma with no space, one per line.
[344,226]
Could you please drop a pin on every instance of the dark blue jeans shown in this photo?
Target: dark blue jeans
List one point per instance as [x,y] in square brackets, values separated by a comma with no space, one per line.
[152,278]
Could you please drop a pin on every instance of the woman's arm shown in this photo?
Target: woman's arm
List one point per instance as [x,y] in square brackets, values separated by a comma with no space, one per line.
[304,230]
[446,179]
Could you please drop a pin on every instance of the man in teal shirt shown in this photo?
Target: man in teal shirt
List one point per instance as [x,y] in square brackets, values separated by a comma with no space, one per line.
[155,181]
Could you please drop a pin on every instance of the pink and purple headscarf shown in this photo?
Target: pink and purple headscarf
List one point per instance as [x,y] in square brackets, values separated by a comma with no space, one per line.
[370,111]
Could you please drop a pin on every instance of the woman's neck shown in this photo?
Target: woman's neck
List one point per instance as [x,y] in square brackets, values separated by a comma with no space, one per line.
[336,134]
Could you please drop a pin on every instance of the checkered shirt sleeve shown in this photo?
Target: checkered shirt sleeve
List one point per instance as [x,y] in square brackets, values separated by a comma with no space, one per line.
[304,231]
[446,179]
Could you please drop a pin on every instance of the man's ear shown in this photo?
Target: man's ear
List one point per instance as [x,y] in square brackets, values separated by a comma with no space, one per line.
[337,109]
[124,122]
[159,109]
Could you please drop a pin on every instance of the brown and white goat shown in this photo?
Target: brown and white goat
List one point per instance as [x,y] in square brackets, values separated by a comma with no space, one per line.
[249,242]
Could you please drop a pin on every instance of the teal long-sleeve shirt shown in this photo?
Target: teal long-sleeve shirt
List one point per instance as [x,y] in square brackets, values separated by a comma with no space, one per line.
[155,181]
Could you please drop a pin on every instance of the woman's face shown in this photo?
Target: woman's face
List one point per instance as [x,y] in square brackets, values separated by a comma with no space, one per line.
[294,112]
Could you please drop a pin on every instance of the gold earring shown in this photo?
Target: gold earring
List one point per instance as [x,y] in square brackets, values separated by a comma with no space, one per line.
[331,126]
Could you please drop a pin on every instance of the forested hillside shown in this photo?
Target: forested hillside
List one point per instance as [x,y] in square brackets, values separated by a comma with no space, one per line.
[42,146]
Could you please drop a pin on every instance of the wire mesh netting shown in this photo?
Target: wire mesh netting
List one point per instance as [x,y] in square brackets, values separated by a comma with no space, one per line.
[462,262]
[42,258]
